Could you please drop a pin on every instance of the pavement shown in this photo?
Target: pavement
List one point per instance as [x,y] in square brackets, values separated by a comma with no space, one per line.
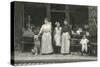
[28,57]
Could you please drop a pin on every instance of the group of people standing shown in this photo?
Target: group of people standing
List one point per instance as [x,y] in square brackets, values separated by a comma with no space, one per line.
[61,37]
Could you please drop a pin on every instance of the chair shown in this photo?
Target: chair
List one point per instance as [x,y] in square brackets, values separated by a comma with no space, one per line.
[27,44]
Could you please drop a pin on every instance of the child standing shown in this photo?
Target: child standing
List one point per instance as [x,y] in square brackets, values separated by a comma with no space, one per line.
[57,36]
[37,45]
[84,43]
[36,48]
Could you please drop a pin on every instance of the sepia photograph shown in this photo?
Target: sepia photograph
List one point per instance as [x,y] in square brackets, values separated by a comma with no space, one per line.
[48,33]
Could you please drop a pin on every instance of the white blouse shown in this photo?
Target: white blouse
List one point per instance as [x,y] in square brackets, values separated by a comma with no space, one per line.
[45,28]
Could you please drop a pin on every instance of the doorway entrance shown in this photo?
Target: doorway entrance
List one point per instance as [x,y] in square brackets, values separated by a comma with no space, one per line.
[37,13]
[57,16]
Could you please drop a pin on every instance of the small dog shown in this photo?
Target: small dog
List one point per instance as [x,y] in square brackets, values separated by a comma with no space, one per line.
[36,48]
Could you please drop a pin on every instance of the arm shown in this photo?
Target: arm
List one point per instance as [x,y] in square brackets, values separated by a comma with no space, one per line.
[50,28]
[54,31]
[40,30]
[87,41]
[61,30]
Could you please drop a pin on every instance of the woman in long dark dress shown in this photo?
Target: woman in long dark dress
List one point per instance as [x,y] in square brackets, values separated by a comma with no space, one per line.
[65,44]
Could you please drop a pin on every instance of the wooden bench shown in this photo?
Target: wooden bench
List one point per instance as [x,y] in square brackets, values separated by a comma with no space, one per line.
[27,43]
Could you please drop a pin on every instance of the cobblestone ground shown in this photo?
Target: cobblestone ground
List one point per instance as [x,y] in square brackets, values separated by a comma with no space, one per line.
[29,58]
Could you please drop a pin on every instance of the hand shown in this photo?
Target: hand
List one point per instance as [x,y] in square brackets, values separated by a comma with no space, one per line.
[37,36]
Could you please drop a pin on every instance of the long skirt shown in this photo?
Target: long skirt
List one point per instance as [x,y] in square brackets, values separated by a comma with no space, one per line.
[65,46]
[46,43]
[57,39]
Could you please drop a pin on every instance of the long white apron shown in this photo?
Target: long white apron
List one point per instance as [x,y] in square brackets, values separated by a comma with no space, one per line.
[57,36]
[65,46]
[46,46]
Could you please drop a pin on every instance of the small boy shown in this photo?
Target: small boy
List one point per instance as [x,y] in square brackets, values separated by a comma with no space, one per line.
[84,41]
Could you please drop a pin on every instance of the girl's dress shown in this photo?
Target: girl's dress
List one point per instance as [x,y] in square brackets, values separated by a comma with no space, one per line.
[57,36]
[65,44]
[46,42]
[36,45]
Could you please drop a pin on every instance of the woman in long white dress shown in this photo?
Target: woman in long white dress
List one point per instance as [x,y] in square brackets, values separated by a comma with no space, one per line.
[46,42]
[65,45]
[57,36]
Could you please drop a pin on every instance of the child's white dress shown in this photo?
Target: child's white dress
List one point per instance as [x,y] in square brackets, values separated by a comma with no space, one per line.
[36,41]
[84,43]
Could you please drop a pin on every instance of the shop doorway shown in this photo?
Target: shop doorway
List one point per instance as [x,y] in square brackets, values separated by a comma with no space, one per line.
[37,13]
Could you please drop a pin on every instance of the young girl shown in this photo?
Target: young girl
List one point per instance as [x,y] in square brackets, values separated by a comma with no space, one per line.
[37,45]
[84,41]
[57,36]
[36,48]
